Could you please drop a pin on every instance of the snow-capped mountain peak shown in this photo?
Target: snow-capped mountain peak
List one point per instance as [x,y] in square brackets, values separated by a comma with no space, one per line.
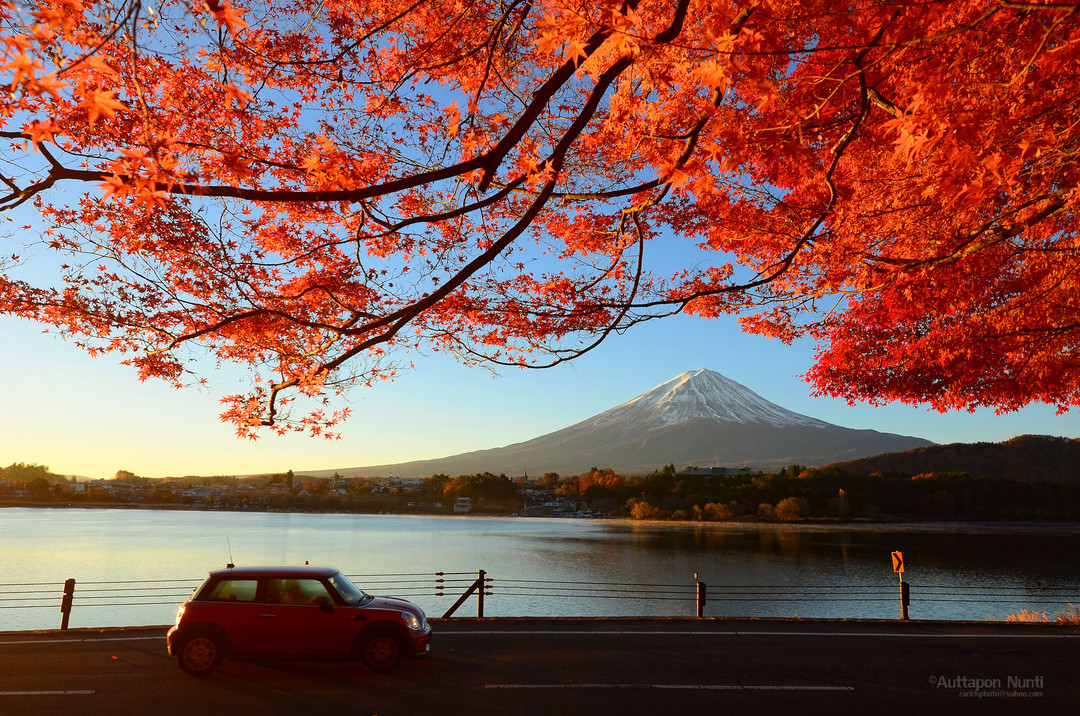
[696,418]
[703,395]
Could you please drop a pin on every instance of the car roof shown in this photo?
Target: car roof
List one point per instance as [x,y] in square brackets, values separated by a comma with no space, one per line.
[284,571]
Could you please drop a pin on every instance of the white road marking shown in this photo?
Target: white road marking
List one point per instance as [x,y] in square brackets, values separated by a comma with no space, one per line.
[621,632]
[80,641]
[914,635]
[687,687]
[71,692]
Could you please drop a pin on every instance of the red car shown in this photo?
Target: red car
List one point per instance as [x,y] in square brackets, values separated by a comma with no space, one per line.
[293,613]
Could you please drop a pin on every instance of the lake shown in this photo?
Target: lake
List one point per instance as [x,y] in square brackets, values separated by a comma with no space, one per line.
[538,567]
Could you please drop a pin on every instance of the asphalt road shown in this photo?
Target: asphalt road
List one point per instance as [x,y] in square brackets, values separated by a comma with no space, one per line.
[576,666]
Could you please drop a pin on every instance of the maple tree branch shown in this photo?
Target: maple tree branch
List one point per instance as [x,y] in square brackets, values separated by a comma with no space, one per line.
[487,161]
[19,195]
[371,33]
[1044,293]
[118,26]
[1042,44]
[1013,5]
[391,228]
[554,162]
[386,327]
[272,312]
[992,229]
[617,324]
[781,267]
[693,133]
[540,99]
[879,100]
[492,40]
[837,151]
[280,195]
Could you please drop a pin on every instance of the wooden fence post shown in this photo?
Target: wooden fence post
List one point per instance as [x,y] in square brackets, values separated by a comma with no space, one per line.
[480,593]
[65,603]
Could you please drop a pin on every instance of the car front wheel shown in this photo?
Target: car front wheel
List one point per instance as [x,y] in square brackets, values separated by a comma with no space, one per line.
[200,654]
[381,652]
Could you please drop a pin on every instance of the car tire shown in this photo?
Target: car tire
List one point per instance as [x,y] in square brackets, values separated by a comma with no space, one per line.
[200,653]
[381,651]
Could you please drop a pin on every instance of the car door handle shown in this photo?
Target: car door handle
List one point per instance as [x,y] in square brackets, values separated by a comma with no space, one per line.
[268,614]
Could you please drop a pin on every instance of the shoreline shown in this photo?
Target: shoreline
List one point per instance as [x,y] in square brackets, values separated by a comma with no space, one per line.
[950,526]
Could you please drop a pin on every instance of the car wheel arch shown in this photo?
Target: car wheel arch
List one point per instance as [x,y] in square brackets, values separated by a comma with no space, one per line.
[379,662]
[208,629]
[200,651]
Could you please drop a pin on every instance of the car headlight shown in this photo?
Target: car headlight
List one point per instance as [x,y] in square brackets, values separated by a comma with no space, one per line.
[179,615]
[412,621]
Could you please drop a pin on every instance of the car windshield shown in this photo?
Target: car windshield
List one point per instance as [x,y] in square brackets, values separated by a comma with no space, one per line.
[350,593]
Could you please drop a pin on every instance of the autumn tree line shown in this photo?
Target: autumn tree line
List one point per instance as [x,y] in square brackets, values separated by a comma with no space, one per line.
[796,493]
[789,495]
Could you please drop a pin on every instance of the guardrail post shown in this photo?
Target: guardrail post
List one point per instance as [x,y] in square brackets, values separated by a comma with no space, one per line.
[702,589]
[480,593]
[65,603]
[478,586]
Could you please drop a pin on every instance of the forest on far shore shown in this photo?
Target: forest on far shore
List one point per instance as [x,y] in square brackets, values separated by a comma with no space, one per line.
[795,493]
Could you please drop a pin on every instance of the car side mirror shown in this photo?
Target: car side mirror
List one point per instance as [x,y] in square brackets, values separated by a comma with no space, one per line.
[325,605]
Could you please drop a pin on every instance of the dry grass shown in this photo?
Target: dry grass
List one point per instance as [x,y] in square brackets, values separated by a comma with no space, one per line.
[1065,616]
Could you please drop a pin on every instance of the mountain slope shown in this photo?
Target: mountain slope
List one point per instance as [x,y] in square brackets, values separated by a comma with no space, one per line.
[698,417]
[1026,458]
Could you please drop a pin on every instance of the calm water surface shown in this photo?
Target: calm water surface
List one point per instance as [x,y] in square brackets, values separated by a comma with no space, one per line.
[538,566]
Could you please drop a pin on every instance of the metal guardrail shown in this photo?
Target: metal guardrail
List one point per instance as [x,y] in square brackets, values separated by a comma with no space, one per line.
[42,595]
[462,586]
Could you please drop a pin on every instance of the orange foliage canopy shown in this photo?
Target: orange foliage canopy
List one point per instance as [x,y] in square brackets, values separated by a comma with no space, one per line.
[312,190]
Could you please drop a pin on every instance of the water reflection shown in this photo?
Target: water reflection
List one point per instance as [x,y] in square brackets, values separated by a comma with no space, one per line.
[763,571]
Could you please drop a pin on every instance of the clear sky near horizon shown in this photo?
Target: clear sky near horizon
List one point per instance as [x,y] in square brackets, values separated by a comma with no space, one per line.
[92,417]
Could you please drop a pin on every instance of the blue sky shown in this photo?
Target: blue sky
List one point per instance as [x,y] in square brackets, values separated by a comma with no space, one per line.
[91,417]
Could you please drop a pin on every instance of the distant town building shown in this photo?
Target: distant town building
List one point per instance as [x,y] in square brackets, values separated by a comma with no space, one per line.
[690,470]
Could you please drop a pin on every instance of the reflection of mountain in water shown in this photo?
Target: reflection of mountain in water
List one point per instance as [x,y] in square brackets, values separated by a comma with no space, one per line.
[697,418]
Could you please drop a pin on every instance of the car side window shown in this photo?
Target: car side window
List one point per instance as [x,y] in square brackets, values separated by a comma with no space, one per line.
[233,590]
[295,591]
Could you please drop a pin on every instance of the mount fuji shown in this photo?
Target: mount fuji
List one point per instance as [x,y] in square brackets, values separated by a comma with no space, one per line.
[697,418]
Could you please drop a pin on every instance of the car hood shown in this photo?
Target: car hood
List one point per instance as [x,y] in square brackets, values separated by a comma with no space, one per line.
[392,604]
